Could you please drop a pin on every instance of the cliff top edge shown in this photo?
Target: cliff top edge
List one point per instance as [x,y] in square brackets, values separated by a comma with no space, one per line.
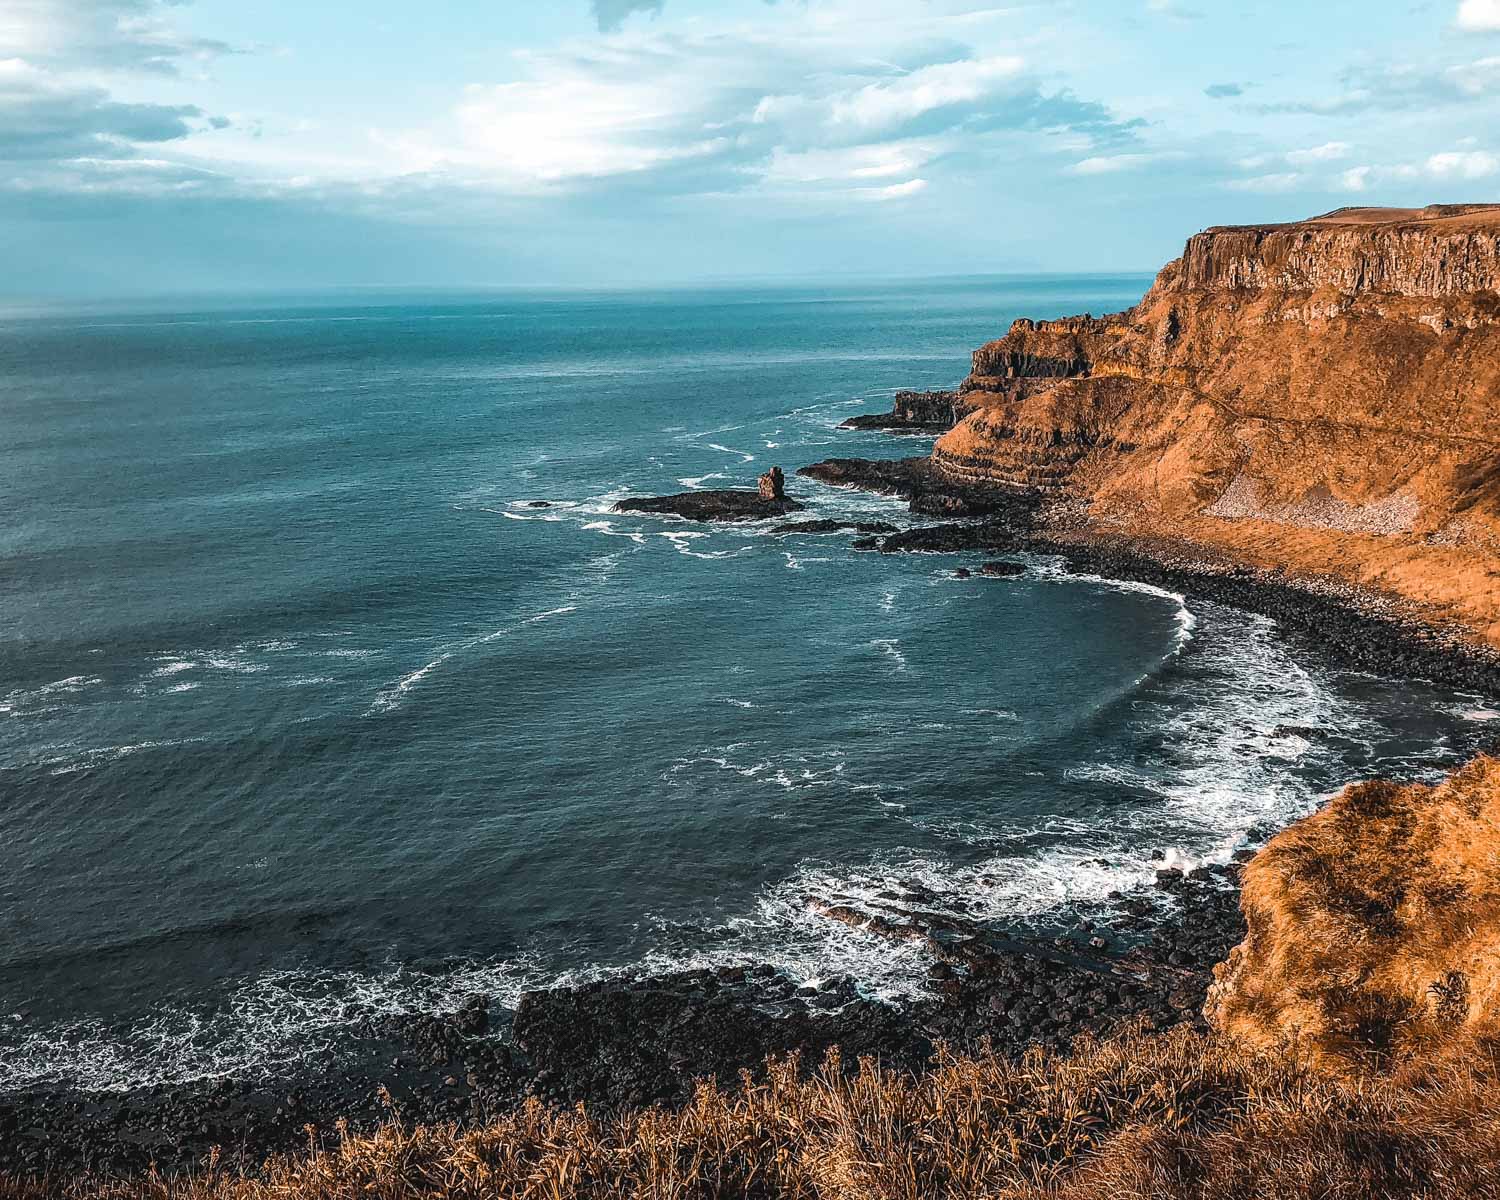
[1456,218]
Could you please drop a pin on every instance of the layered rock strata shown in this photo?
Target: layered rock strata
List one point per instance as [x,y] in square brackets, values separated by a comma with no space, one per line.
[1322,396]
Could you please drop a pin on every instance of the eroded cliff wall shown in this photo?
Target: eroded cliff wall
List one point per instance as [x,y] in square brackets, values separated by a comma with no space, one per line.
[1322,396]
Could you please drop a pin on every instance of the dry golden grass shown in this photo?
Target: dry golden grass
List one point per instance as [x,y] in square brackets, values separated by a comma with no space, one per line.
[1158,1117]
[1374,926]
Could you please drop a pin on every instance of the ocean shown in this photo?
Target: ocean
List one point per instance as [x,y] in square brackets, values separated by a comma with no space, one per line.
[309,711]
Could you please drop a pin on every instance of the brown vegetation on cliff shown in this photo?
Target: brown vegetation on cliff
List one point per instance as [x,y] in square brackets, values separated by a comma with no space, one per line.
[1139,1118]
[1374,928]
[1322,396]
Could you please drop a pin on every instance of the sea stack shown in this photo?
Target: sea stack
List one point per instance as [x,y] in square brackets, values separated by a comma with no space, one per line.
[772,485]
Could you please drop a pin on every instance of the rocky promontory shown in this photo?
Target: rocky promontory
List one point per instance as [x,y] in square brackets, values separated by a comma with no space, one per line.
[1321,398]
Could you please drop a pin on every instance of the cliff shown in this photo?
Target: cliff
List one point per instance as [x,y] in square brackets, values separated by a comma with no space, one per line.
[1322,397]
[1374,927]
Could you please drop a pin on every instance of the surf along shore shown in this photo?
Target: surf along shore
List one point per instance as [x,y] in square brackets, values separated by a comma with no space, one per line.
[1119,447]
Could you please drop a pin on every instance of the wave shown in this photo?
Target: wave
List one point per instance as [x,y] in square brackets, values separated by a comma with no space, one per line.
[85,759]
[595,573]
[1186,620]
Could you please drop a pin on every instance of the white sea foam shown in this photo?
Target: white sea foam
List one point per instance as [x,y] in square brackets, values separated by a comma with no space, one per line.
[1186,620]
[172,668]
[607,528]
[682,541]
[1479,713]
[562,610]
[891,648]
[593,574]
[748,458]
[84,759]
[263,1026]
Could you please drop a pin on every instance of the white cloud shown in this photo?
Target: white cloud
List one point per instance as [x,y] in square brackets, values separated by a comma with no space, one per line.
[1478,77]
[820,97]
[1463,164]
[886,160]
[1108,164]
[1479,16]
[896,191]
[1446,166]
[1356,179]
[119,35]
[1327,152]
[1283,182]
[877,107]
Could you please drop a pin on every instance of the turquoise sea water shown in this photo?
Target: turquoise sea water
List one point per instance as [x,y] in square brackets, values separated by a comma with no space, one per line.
[306,712]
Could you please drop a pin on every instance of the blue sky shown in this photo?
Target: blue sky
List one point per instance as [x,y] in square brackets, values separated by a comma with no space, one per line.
[153,146]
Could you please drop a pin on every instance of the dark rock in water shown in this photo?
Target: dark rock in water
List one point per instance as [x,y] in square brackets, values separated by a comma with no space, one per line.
[723,504]
[911,412]
[962,573]
[830,526]
[949,539]
[772,485]
[539,504]
[928,492]
[1003,568]
[890,477]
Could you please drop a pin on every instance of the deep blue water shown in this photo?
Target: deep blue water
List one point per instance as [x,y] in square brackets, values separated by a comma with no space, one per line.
[304,709]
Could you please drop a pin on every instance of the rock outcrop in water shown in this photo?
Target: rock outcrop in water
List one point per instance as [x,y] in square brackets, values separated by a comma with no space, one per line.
[1374,926]
[912,412]
[1321,396]
[722,504]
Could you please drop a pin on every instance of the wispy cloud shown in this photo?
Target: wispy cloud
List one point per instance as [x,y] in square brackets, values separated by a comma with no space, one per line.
[815,98]
[1327,152]
[118,35]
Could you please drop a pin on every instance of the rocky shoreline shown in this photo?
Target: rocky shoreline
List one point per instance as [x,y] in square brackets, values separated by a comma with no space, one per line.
[629,1042]
[1343,624]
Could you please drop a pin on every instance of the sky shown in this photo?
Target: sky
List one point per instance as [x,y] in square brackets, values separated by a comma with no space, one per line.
[157,146]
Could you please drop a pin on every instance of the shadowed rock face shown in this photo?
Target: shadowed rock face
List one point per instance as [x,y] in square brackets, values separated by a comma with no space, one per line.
[723,504]
[911,412]
[1373,926]
[1339,376]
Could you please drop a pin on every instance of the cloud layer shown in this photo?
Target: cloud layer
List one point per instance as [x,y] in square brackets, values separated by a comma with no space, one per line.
[745,131]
